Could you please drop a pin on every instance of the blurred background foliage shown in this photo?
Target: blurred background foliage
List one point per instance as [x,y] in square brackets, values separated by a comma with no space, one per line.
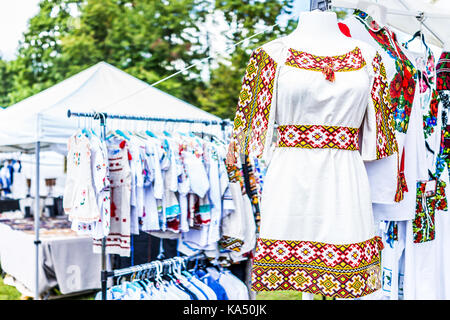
[149,39]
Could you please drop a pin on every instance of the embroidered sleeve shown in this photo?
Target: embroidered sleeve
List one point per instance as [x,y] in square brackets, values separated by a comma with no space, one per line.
[379,138]
[252,115]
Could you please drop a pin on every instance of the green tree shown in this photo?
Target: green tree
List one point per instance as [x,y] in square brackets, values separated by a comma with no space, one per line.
[150,39]
[244,18]
[6,82]
[37,66]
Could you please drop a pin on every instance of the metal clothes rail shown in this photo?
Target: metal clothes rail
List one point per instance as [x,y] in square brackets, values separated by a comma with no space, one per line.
[154,264]
[103,116]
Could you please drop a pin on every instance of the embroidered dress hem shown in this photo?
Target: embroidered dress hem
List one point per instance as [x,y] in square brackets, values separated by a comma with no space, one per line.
[342,271]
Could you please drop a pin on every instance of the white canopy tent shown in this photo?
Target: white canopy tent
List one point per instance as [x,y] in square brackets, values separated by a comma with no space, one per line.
[436,17]
[41,121]
[101,88]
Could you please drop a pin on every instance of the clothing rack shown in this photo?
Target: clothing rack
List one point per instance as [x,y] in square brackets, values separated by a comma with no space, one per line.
[103,116]
[154,264]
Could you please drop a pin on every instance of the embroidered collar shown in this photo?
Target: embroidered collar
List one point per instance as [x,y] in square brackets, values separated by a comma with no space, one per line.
[368,20]
[350,61]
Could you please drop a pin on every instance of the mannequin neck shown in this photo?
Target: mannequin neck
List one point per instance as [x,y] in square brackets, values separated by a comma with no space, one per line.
[319,32]
[317,24]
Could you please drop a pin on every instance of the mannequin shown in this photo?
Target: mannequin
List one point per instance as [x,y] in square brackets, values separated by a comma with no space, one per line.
[318,33]
[377,11]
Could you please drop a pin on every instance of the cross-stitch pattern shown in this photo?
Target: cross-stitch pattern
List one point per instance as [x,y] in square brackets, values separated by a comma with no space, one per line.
[443,72]
[252,114]
[426,206]
[386,142]
[315,136]
[344,271]
[350,61]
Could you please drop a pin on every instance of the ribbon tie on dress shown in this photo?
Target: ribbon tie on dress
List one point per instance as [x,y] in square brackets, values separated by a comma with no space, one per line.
[402,186]
[379,242]
[328,70]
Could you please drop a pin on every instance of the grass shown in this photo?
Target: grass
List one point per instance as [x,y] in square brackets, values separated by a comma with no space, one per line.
[279,295]
[8,292]
[284,295]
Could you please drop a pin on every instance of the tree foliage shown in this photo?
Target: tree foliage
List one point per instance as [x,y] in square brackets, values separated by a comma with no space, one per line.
[150,39]
[244,18]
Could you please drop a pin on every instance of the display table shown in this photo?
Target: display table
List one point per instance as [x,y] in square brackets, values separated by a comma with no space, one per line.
[9,205]
[65,259]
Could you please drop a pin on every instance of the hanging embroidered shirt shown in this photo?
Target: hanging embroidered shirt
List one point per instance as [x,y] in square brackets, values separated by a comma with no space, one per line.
[443,88]
[400,75]
[100,176]
[80,202]
[443,72]
[429,200]
[137,185]
[317,233]
[118,240]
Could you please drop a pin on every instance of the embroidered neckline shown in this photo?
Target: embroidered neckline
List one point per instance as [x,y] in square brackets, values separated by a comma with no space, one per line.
[368,20]
[328,65]
[338,56]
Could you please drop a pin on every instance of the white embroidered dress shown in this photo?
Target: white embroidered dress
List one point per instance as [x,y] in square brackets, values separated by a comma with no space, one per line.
[79,201]
[317,233]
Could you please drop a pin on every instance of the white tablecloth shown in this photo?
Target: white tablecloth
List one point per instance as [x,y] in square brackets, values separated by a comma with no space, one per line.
[64,260]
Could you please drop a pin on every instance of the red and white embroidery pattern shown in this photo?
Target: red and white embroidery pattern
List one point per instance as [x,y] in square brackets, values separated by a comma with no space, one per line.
[344,271]
[350,61]
[316,136]
[252,114]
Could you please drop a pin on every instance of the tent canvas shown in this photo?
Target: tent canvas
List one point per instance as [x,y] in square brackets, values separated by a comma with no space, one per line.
[102,88]
[409,24]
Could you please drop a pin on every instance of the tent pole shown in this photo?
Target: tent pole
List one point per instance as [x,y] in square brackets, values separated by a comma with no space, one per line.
[104,276]
[37,217]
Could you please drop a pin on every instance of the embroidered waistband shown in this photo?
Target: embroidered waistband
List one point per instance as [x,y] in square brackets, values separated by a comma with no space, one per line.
[317,136]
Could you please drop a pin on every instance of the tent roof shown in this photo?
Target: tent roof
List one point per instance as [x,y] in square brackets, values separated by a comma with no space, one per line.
[409,24]
[102,88]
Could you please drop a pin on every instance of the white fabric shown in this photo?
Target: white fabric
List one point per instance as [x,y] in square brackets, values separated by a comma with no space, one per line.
[442,220]
[136,183]
[415,170]
[382,186]
[410,24]
[71,259]
[100,174]
[80,202]
[211,295]
[325,193]
[118,240]
[390,262]
[239,290]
